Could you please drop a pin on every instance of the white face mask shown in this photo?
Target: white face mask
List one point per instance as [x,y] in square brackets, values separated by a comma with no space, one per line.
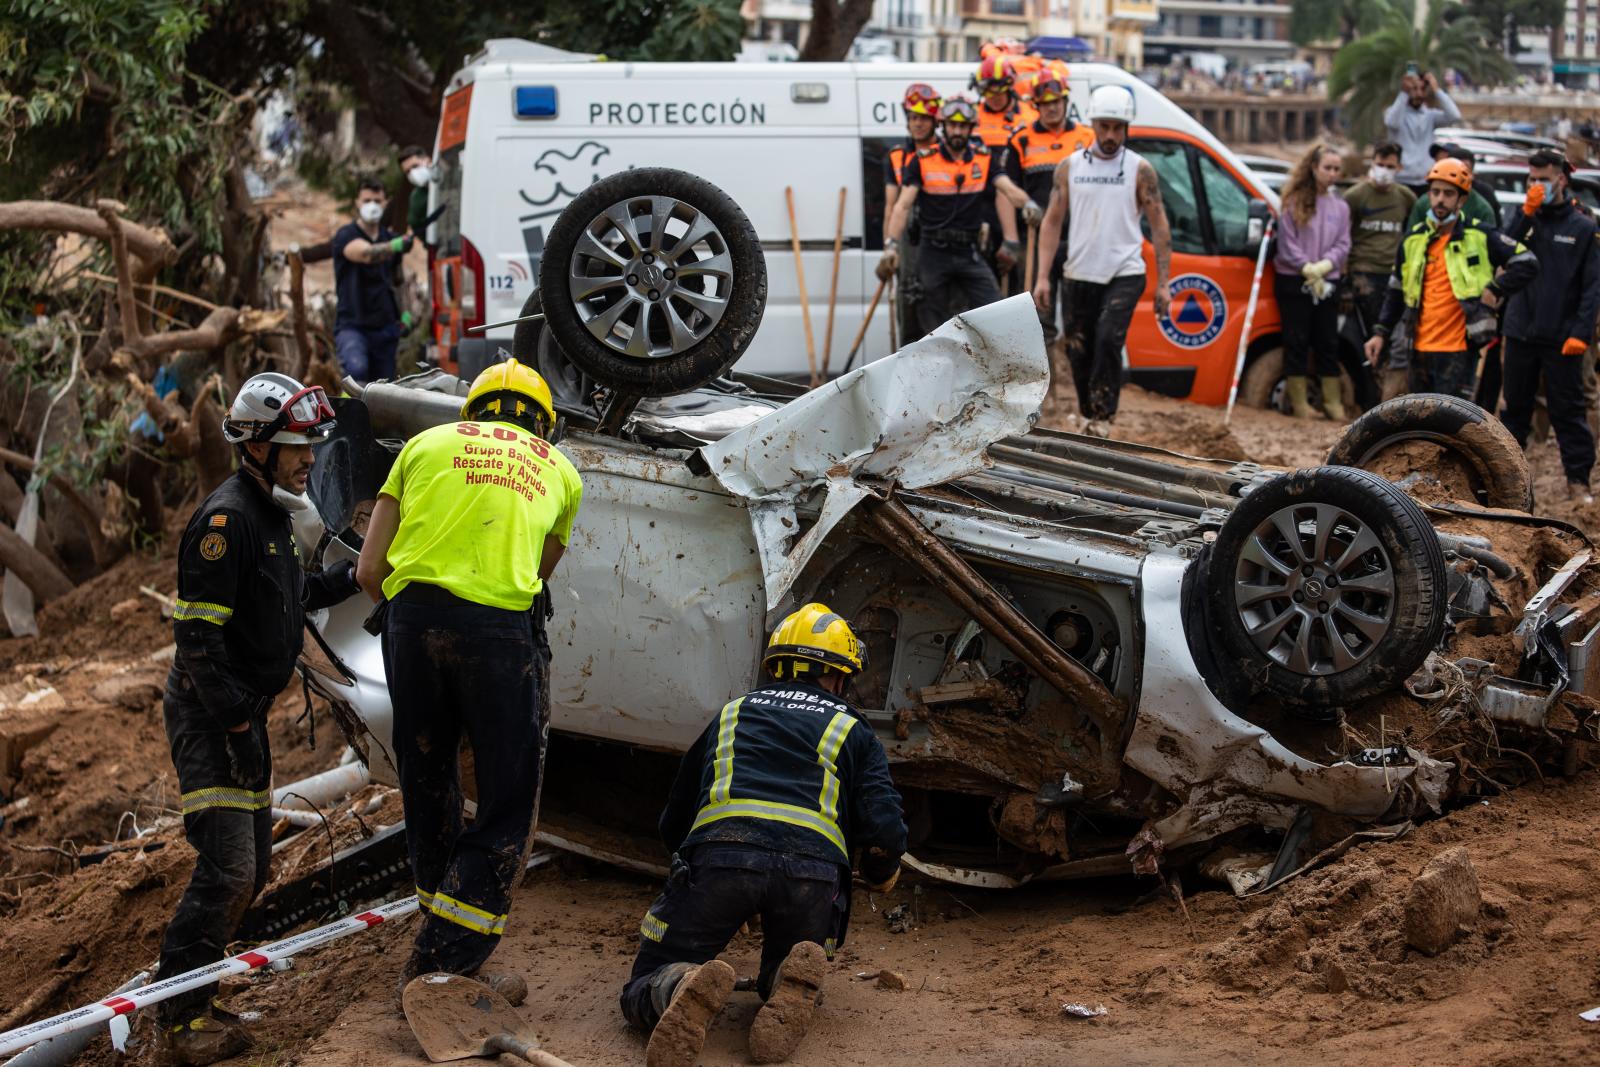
[420,175]
[1380,175]
[1549,190]
[371,211]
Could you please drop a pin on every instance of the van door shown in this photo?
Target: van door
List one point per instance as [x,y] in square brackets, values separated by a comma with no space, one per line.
[1191,354]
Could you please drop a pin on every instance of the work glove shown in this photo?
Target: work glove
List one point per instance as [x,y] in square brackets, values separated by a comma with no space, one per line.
[1319,289]
[1574,347]
[1534,200]
[1009,253]
[1317,270]
[407,320]
[246,761]
[890,262]
[401,245]
[1032,213]
[341,578]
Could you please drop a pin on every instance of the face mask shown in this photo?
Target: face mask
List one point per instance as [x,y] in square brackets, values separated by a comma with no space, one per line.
[1549,190]
[1442,223]
[371,211]
[420,175]
[1380,175]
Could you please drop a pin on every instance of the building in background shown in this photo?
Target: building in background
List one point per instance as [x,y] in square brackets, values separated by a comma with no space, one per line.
[1574,51]
[1243,31]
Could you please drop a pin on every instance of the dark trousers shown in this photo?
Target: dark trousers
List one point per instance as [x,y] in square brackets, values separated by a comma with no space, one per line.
[1526,362]
[1451,373]
[229,825]
[908,294]
[1097,317]
[1310,330]
[458,668]
[953,280]
[711,892]
[367,355]
[1369,291]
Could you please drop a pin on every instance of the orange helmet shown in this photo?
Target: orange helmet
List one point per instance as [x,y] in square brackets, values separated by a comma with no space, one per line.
[1452,171]
[1049,88]
[922,99]
[995,70]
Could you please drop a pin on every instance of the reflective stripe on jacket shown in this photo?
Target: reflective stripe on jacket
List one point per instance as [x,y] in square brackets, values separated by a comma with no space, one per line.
[1466,259]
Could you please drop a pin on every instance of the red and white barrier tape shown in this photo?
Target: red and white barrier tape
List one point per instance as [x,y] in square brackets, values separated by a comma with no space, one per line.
[123,1004]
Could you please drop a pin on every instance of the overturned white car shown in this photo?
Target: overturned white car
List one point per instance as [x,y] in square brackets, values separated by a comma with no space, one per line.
[1081,653]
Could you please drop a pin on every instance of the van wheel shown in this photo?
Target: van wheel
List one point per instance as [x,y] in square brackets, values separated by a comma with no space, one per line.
[1327,586]
[1441,446]
[1262,385]
[534,346]
[662,278]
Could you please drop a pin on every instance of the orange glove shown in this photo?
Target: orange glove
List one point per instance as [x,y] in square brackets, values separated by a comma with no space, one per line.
[1574,347]
[1534,198]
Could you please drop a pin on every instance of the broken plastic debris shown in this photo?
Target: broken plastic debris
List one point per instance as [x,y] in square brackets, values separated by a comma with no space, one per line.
[1083,1011]
[1590,1016]
[281,965]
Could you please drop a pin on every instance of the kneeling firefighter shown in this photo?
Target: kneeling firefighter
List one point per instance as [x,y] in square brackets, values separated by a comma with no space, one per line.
[768,805]
[466,531]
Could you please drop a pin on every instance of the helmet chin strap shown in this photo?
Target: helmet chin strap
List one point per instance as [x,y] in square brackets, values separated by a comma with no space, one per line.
[264,471]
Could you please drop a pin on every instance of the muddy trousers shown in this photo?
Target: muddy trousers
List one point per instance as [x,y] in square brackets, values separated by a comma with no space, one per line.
[714,889]
[229,825]
[455,669]
[1097,320]
[953,280]
[1451,373]
[1310,330]
[1526,362]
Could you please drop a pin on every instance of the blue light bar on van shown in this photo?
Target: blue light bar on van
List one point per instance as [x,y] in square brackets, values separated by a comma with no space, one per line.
[536,102]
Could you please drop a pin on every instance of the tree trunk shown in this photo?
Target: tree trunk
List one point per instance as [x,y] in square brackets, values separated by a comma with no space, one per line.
[28,564]
[834,25]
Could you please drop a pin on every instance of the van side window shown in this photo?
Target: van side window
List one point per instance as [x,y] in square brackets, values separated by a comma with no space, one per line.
[1171,162]
[1229,207]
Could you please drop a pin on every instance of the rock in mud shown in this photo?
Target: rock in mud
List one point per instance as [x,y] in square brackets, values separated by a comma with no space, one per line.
[894,980]
[1443,901]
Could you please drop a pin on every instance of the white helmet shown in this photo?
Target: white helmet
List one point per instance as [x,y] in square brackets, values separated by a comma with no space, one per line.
[275,408]
[1111,102]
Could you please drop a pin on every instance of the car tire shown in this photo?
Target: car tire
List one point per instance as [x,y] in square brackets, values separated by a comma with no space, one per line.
[1496,467]
[1307,621]
[693,330]
[533,345]
[1261,385]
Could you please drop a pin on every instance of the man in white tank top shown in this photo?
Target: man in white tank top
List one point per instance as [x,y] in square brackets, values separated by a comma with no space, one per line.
[1105,188]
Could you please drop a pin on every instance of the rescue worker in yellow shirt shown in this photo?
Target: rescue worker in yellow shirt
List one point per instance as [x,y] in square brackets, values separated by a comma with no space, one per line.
[467,529]
[921,107]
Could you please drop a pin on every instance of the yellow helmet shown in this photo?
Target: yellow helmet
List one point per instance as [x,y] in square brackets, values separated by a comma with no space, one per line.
[503,391]
[812,638]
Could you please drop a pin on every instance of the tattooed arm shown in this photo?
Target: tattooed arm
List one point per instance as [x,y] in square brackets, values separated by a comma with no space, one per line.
[1149,200]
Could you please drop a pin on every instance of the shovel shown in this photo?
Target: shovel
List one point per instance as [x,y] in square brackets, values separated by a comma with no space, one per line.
[456,1018]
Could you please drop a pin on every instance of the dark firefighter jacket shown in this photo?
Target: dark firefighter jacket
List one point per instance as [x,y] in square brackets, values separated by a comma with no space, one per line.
[1567,300]
[791,768]
[242,597]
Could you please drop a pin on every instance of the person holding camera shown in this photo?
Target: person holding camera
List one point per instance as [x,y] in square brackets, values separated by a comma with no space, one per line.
[1420,108]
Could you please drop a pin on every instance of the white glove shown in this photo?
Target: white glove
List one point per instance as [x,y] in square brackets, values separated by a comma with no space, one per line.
[1319,289]
[1319,269]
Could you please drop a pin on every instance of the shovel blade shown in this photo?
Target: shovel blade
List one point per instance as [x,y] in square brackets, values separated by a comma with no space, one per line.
[455,1018]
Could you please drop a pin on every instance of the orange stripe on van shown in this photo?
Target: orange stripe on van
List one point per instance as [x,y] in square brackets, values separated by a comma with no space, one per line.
[453,123]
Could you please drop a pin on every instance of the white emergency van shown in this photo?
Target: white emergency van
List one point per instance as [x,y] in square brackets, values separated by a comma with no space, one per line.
[525,128]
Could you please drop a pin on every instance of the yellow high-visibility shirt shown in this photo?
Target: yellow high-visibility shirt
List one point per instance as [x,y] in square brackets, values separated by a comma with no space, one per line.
[476,502]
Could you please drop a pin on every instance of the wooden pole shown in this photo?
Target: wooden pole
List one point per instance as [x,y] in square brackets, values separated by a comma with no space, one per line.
[862,333]
[800,277]
[894,316]
[833,288]
[1028,273]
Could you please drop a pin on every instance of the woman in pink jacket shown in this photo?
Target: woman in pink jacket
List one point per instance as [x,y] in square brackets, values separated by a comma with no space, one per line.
[1313,242]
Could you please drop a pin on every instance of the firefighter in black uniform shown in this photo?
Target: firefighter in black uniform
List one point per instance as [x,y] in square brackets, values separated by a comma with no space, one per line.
[1032,156]
[921,107]
[238,624]
[768,806]
[957,179]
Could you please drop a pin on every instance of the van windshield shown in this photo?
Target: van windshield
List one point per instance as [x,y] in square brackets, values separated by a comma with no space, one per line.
[447,227]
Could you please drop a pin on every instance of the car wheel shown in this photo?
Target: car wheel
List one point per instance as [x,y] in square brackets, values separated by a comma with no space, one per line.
[533,345]
[1430,439]
[1317,571]
[1262,385]
[662,278]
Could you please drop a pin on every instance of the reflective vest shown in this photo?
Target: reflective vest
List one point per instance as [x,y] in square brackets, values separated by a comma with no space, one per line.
[1041,151]
[1466,260]
[944,175]
[995,127]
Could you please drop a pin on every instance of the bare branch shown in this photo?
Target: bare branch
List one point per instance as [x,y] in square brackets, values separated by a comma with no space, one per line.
[149,244]
[31,567]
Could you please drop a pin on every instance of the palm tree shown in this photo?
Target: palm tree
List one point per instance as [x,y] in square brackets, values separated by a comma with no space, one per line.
[1313,21]
[1367,72]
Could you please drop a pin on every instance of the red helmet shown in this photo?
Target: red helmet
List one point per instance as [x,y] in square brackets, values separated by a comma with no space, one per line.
[1049,88]
[959,109]
[922,99]
[995,70]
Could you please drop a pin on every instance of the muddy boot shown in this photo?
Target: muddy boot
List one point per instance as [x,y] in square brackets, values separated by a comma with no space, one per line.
[200,1041]
[696,998]
[784,1019]
[1579,493]
[1333,398]
[1295,387]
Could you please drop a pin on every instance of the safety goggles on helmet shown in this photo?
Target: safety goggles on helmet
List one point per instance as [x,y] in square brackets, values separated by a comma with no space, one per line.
[1046,90]
[959,111]
[922,99]
[995,73]
[305,415]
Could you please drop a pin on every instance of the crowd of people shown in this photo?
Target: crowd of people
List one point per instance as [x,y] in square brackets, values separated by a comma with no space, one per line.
[1452,298]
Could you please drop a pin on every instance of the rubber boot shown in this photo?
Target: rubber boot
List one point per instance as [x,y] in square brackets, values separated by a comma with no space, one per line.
[1333,397]
[201,1041]
[511,986]
[1296,386]
[783,1020]
[697,996]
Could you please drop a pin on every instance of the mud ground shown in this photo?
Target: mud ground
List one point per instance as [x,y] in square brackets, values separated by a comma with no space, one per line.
[1317,968]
